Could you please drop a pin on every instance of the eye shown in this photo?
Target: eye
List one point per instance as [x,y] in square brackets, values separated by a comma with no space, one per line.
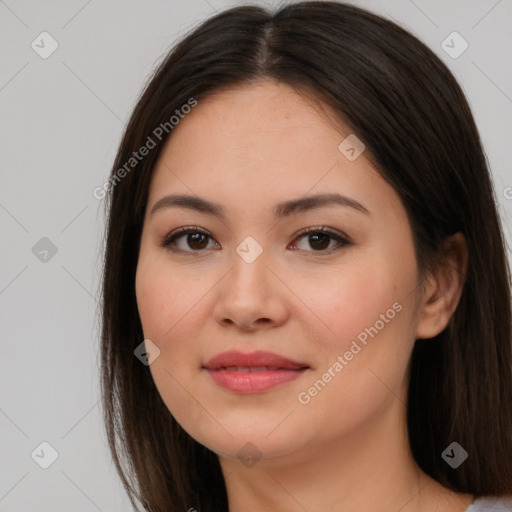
[320,238]
[196,239]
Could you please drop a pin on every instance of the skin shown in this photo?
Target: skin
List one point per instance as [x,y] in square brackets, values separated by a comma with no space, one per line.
[347,449]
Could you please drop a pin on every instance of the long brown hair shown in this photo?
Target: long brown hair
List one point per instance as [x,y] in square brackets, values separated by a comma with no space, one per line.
[407,108]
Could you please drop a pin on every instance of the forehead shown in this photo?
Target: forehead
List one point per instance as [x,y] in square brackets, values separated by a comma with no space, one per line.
[263,142]
[261,115]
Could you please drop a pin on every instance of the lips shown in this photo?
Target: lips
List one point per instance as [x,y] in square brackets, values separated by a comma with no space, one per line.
[253,361]
[253,372]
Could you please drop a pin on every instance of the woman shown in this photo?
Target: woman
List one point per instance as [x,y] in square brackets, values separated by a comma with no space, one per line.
[306,296]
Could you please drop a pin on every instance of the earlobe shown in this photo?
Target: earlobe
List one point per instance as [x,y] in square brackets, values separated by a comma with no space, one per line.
[443,288]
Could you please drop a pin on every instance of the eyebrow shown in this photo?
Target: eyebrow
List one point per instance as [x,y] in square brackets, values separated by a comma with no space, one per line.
[280,210]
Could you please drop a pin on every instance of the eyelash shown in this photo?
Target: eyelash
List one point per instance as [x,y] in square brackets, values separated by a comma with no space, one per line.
[342,239]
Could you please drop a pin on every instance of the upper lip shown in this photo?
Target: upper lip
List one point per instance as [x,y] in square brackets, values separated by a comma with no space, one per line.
[252,359]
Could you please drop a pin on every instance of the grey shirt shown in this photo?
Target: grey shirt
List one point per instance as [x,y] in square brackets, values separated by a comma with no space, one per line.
[491,504]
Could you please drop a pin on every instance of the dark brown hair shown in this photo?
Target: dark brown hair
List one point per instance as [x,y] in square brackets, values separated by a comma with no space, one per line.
[407,108]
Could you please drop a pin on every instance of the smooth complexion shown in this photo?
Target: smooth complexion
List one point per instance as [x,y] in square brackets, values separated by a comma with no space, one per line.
[304,298]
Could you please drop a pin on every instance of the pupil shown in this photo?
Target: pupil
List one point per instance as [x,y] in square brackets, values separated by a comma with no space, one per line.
[321,236]
[196,238]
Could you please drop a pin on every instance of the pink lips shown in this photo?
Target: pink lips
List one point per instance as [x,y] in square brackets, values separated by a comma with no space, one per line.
[254,372]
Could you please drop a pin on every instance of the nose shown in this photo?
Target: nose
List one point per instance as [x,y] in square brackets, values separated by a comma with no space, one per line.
[251,296]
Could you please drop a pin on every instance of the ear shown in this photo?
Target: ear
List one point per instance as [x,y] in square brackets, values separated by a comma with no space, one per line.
[443,288]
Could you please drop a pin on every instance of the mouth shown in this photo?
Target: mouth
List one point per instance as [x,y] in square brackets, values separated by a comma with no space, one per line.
[254,372]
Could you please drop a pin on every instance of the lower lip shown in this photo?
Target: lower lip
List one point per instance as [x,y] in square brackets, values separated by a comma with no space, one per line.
[253,382]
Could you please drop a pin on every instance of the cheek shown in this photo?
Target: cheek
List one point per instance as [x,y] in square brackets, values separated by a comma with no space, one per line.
[351,299]
[165,297]
[362,366]
[364,314]
[167,302]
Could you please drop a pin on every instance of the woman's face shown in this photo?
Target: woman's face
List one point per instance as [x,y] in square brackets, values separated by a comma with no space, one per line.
[340,303]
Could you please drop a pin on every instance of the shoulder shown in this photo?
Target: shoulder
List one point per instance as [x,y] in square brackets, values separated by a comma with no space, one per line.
[491,504]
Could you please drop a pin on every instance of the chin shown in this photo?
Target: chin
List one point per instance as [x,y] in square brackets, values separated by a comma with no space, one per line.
[247,442]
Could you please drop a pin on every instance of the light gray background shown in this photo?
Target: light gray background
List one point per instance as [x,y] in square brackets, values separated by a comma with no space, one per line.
[61,121]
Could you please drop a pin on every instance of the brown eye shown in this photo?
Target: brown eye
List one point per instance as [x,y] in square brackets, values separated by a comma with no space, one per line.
[197,240]
[319,239]
[192,240]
